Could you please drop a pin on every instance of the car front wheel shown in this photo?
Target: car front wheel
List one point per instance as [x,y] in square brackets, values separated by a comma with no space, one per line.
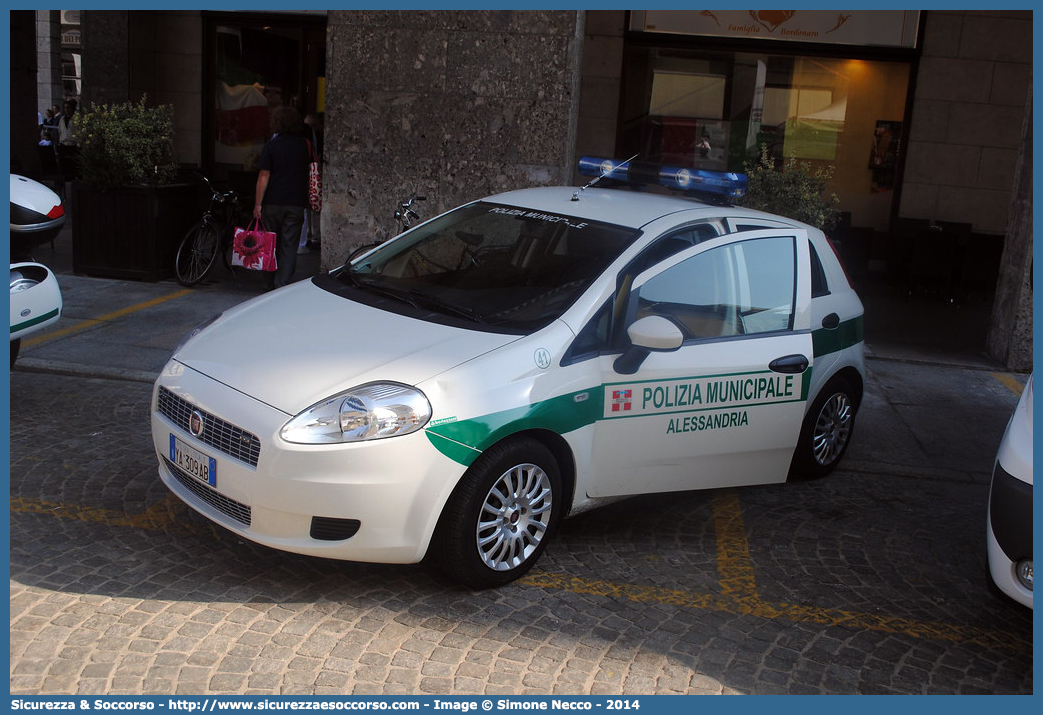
[826,432]
[498,520]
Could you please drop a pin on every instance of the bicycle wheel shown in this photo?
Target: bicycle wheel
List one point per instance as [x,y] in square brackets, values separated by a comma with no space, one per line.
[196,254]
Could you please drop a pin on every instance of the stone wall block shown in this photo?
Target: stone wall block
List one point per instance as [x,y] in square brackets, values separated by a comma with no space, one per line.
[919,200]
[515,130]
[1010,84]
[941,163]
[454,105]
[393,122]
[985,125]
[369,188]
[997,166]
[470,180]
[410,60]
[942,35]
[954,80]
[930,120]
[513,22]
[999,38]
[984,209]
[492,65]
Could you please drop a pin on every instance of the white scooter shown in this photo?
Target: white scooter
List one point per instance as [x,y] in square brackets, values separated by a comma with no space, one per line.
[37,214]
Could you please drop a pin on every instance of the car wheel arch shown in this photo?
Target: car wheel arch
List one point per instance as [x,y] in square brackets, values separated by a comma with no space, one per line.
[450,553]
[853,377]
[562,453]
[835,436]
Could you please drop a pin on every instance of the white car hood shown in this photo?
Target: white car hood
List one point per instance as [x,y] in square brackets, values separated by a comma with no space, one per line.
[299,345]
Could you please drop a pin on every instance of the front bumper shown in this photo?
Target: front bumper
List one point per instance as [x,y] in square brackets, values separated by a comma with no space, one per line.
[1009,541]
[375,501]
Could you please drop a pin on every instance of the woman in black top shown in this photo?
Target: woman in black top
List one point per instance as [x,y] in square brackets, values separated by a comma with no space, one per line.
[282,189]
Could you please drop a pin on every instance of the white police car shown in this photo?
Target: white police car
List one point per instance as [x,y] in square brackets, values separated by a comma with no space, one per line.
[1009,523]
[455,392]
[37,215]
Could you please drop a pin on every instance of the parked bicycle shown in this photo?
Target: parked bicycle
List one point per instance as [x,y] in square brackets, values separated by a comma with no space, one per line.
[211,236]
[405,215]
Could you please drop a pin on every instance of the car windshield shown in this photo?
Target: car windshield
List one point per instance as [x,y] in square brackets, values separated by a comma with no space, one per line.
[501,267]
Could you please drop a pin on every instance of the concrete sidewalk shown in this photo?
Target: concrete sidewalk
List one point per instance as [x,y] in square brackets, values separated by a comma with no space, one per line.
[128,329]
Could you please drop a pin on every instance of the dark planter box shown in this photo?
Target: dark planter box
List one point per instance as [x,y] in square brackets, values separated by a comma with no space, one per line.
[131,231]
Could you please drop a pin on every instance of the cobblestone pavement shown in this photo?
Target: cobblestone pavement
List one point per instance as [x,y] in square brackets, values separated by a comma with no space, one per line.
[871,581]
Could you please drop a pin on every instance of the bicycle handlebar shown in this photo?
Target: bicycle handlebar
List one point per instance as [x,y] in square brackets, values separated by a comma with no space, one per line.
[215,194]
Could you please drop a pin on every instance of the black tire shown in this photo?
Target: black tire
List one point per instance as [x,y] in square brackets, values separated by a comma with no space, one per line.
[15,347]
[519,518]
[827,430]
[196,254]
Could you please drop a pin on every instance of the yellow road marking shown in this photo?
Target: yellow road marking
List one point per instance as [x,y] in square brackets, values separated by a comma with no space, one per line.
[161,515]
[733,550]
[49,335]
[738,586]
[739,594]
[1009,382]
[753,605]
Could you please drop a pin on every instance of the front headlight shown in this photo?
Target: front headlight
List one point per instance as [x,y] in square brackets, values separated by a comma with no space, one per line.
[373,411]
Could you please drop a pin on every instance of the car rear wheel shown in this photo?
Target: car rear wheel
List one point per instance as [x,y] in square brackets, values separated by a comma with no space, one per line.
[498,520]
[826,432]
[15,346]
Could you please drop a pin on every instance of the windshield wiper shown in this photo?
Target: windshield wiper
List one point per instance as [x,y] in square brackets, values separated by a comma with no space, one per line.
[414,297]
[403,296]
[444,305]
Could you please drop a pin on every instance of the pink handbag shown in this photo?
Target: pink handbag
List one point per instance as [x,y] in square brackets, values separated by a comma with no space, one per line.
[254,247]
[314,181]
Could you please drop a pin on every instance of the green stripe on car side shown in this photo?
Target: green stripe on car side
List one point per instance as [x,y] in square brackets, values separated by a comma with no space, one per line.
[463,441]
[34,321]
[848,333]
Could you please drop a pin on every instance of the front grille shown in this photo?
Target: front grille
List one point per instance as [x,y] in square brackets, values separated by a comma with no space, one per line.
[219,434]
[229,507]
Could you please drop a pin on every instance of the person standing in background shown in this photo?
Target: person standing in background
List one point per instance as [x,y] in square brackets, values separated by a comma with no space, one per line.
[68,142]
[281,195]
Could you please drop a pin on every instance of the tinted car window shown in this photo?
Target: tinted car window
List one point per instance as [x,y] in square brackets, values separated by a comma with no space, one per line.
[738,289]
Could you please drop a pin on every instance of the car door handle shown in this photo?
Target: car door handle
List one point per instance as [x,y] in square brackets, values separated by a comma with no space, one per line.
[790,364]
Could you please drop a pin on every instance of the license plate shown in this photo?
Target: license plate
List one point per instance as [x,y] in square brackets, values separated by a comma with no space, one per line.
[193,462]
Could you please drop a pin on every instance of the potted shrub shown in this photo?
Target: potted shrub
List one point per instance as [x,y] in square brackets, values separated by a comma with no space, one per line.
[128,210]
[793,189]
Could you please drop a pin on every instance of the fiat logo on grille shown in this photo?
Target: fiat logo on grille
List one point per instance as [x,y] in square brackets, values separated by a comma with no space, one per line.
[195,423]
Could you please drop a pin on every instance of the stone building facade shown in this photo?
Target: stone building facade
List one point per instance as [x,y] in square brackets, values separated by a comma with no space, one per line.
[451,105]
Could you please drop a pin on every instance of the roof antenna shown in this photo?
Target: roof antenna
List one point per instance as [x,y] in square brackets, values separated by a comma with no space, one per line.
[575,194]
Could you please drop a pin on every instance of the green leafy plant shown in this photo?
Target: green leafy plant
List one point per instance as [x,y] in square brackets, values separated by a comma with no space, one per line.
[795,190]
[126,144]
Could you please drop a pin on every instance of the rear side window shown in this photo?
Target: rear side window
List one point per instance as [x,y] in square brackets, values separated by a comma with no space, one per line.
[819,284]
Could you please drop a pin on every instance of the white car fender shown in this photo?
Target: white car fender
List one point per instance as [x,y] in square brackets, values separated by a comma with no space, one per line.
[36,299]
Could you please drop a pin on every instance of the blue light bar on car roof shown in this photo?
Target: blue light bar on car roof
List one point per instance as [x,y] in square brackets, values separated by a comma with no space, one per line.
[680,178]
